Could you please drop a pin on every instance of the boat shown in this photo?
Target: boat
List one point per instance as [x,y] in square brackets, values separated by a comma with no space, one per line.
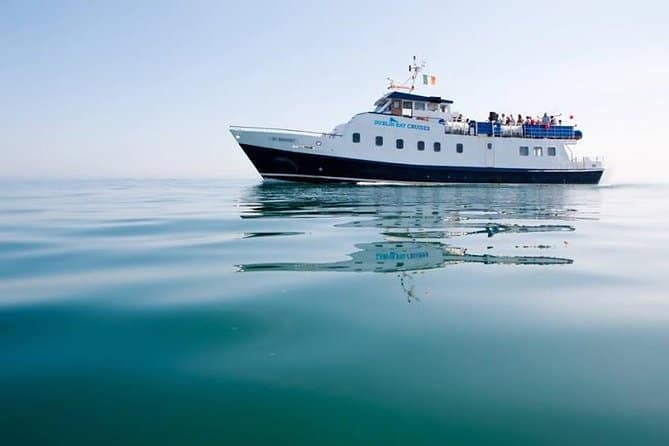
[409,138]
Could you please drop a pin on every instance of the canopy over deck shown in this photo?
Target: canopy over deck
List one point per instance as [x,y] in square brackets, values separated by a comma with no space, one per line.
[412,97]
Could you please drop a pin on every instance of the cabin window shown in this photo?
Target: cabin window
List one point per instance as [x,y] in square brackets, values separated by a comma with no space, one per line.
[538,151]
[419,106]
[432,106]
[396,108]
[437,147]
[459,148]
[421,145]
[356,137]
[399,143]
[407,107]
[551,151]
[379,140]
[443,108]
[524,151]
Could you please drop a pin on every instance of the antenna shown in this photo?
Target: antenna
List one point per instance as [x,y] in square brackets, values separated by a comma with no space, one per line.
[410,84]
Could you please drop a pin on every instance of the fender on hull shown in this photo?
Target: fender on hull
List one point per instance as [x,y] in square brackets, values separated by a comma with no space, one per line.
[307,167]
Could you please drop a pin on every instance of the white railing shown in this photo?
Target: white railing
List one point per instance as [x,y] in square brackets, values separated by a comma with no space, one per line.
[585,162]
[275,129]
[457,128]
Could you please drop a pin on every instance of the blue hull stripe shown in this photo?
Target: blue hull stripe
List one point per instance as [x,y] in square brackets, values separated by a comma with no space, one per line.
[282,164]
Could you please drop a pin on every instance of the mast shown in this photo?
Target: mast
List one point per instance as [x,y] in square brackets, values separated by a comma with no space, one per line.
[410,84]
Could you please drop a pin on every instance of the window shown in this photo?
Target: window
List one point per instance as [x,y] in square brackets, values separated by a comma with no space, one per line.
[459,148]
[407,107]
[421,145]
[538,151]
[356,137]
[396,108]
[490,145]
[379,140]
[432,106]
[551,151]
[419,105]
[437,147]
[399,143]
[524,151]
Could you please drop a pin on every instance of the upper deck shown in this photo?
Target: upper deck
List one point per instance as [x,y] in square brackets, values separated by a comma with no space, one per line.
[438,110]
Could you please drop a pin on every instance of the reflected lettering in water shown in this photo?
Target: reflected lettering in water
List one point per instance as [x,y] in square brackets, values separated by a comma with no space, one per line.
[411,229]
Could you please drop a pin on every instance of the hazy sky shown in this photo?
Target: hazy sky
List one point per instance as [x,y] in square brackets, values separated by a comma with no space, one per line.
[148,89]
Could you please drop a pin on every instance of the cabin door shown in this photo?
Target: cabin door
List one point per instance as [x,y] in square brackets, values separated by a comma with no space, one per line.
[489,153]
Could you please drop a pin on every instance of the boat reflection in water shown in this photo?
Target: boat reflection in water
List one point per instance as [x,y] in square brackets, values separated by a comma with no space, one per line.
[386,257]
[418,228]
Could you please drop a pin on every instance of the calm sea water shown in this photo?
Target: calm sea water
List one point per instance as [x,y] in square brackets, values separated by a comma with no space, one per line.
[185,312]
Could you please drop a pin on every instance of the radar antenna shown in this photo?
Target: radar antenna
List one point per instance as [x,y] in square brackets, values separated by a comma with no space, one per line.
[410,84]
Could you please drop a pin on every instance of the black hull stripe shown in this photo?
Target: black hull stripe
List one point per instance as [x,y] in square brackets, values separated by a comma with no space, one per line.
[286,165]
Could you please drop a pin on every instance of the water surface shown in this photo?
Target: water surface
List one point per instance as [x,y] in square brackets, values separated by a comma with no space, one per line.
[210,312]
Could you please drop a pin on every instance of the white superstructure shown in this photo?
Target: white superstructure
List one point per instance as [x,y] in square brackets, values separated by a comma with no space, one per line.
[417,139]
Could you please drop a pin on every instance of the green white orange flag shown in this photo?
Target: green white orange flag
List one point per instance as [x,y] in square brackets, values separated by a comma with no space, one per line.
[429,79]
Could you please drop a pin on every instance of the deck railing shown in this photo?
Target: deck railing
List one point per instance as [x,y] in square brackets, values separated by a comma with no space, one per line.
[293,131]
[585,162]
[519,131]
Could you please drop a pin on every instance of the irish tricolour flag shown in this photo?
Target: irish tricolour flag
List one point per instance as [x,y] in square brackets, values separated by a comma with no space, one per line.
[429,79]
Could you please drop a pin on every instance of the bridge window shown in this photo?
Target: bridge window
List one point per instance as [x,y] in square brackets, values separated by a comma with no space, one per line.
[524,151]
[551,151]
[407,106]
[399,143]
[431,106]
[459,148]
[437,147]
[538,151]
[419,106]
[421,145]
[356,137]
[379,140]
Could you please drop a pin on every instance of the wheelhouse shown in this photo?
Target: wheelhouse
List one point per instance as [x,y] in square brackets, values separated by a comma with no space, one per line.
[414,106]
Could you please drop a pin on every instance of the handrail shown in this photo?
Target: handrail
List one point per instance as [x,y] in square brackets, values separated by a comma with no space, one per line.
[275,129]
[510,131]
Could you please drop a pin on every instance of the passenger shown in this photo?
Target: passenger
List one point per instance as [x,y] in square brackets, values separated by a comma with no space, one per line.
[520,120]
[545,119]
[552,120]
